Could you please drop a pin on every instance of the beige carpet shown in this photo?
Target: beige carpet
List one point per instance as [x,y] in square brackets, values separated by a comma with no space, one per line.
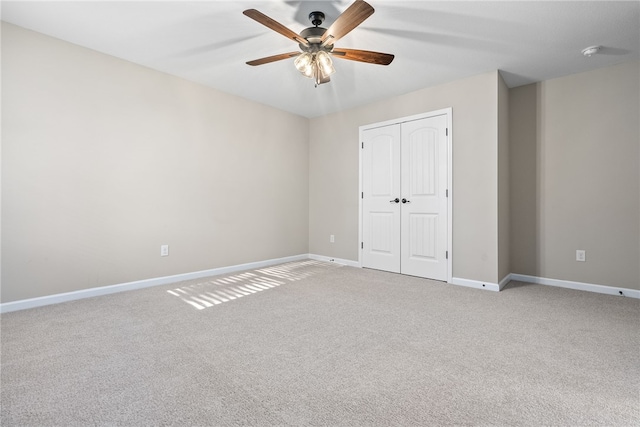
[312,343]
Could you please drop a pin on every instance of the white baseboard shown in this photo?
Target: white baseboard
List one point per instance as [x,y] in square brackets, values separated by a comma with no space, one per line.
[140,284]
[505,280]
[475,284]
[336,260]
[580,286]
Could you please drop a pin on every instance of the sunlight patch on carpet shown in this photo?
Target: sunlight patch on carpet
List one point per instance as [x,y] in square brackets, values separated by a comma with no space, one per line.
[218,290]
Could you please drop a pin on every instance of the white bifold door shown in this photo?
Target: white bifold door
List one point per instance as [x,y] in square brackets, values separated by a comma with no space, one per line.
[404,198]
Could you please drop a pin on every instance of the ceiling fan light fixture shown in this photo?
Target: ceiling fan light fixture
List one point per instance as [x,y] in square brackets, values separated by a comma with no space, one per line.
[304,63]
[320,76]
[324,63]
[318,66]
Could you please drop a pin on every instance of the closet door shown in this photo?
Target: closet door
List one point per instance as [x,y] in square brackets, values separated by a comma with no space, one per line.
[424,198]
[404,198]
[381,198]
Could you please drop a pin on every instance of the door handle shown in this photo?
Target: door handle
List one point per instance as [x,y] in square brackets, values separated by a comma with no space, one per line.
[396,200]
[406,201]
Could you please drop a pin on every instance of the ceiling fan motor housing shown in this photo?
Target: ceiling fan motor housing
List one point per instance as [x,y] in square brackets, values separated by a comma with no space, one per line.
[314,36]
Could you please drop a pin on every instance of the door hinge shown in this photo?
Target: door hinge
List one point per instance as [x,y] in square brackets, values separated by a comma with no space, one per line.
[447,192]
[446,131]
[446,254]
[363,145]
[362,195]
[361,245]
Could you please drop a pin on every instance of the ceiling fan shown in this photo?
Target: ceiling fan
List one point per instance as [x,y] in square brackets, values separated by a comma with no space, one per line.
[317,42]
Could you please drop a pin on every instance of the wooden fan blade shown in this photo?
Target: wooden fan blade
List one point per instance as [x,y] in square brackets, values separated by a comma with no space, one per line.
[363,56]
[347,21]
[274,25]
[273,58]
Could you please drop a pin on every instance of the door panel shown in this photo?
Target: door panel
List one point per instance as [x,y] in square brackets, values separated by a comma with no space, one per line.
[423,239]
[424,185]
[383,233]
[380,185]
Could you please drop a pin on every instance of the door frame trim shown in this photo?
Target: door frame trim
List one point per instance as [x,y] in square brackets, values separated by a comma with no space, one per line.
[445,111]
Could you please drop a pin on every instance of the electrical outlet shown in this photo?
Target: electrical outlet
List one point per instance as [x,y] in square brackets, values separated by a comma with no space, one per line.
[164,250]
[332,239]
[581,255]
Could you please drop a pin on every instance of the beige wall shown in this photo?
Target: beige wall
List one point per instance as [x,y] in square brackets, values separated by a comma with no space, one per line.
[333,172]
[523,186]
[575,180]
[103,161]
[504,251]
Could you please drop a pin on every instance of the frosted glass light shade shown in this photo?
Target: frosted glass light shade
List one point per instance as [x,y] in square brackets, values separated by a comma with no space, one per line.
[324,63]
[304,63]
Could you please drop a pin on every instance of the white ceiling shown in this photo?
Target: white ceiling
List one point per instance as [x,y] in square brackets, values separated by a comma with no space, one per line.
[434,42]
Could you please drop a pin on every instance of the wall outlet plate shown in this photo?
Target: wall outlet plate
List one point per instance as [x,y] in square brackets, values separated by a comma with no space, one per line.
[581,255]
[164,250]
